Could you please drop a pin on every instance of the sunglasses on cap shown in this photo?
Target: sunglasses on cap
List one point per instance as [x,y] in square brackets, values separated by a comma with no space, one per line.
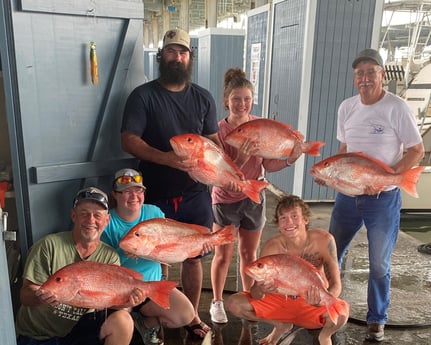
[87,195]
[128,179]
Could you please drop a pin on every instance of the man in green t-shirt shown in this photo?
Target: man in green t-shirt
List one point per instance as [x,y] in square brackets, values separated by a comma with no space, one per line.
[41,319]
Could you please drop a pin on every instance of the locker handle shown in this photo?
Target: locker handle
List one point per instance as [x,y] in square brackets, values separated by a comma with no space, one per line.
[7,235]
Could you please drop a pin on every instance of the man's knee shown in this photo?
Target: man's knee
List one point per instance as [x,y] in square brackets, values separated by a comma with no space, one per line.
[120,321]
[235,304]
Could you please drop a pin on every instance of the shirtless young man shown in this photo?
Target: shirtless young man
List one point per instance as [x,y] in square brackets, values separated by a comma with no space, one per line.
[263,304]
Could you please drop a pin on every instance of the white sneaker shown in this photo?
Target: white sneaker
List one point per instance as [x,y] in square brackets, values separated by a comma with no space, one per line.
[218,315]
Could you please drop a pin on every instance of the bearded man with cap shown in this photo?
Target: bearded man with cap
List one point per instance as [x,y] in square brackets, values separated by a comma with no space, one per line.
[381,125]
[128,195]
[154,113]
[41,319]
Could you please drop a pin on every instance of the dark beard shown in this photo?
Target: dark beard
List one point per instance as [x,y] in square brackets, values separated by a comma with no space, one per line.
[175,72]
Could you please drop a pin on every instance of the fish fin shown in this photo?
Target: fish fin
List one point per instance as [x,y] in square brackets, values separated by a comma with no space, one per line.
[380,163]
[224,235]
[160,291]
[133,273]
[252,189]
[410,179]
[200,229]
[169,251]
[89,296]
[149,257]
[297,134]
[312,147]
[175,223]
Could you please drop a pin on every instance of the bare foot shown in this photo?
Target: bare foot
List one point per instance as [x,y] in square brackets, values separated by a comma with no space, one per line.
[273,337]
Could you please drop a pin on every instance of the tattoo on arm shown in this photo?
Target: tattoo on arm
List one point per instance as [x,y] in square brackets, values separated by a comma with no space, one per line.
[332,249]
[327,273]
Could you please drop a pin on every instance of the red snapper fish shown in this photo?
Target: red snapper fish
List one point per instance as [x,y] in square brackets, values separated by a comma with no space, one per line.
[275,139]
[350,173]
[213,166]
[170,241]
[293,276]
[96,285]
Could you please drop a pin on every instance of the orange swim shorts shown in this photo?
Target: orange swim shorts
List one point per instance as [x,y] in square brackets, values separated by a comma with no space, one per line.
[288,309]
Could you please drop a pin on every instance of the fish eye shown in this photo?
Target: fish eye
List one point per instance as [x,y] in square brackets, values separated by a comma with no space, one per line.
[190,140]
[58,279]
[259,265]
[326,164]
[137,234]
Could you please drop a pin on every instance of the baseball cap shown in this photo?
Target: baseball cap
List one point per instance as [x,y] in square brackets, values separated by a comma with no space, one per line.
[176,36]
[368,54]
[91,194]
[126,178]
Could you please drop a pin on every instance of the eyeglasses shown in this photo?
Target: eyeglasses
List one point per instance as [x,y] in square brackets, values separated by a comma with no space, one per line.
[129,179]
[87,195]
[371,73]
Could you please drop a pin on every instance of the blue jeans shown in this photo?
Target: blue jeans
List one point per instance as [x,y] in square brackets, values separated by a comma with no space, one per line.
[381,216]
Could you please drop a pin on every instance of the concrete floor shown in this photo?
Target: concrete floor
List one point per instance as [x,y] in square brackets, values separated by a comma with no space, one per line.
[409,314]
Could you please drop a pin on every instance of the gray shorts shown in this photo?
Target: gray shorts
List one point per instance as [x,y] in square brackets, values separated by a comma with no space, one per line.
[244,214]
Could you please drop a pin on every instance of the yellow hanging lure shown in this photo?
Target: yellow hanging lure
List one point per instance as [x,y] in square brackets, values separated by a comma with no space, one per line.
[93,64]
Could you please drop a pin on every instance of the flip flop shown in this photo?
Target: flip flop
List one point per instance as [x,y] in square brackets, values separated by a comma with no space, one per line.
[289,336]
[202,329]
[425,248]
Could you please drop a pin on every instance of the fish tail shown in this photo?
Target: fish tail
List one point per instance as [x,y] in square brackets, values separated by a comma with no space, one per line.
[224,235]
[312,147]
[160,291]
[252,189]
[339,307]
[410,179]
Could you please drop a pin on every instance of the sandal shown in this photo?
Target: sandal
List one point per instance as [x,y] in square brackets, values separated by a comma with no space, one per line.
[425,248]
[198,330]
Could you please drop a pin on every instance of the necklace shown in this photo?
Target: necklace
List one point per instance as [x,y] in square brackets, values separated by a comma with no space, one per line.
[291,250]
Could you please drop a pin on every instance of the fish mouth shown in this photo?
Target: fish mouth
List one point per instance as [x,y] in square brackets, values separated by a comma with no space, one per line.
[314,172]
[128,249]
[173,143]
[177,147]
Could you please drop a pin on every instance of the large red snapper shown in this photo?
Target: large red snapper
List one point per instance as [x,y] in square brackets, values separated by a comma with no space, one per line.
[213,166]
[96,285]
[294,276]
[350,174]
[275,140]
[170,241]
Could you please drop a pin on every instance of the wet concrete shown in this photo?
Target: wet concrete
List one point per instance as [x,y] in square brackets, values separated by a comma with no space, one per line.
[409,313]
